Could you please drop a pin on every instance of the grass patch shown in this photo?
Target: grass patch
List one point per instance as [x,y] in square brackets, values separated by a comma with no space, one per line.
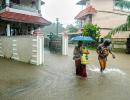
[91,48]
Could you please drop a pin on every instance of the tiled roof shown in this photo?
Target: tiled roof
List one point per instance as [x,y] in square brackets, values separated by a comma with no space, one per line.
[87,10]
[18,17]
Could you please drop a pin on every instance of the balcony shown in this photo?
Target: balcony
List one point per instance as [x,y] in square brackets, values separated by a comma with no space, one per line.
[24,7]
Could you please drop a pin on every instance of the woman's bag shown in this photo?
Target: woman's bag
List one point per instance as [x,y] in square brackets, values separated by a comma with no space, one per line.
[83,59]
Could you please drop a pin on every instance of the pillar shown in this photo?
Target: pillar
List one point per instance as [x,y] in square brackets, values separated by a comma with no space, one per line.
[8,29]
[7,2]
[39,6]
[37,50]
[65,44]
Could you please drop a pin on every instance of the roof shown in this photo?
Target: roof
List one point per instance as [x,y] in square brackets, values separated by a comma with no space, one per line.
[18,17]
[86,11]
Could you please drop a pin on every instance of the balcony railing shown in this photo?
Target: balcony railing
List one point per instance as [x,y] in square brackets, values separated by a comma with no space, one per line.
[23,7]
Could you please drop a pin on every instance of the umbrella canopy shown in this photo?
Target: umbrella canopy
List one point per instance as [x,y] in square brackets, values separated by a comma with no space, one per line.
[82,38]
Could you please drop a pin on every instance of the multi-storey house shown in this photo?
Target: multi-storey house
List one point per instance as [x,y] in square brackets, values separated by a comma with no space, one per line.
[104,13]
[20,22]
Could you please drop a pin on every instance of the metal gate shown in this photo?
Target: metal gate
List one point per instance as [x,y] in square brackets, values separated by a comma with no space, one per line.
[54,43]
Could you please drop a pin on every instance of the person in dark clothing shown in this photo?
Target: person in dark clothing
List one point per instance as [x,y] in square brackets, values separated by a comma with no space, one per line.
[103,50]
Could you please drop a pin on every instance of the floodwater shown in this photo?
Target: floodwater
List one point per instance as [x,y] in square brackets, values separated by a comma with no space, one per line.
[56,80]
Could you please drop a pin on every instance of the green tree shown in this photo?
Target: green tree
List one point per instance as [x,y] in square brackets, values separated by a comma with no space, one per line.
[78,23]
[52,28]
[71,28]
[91,30]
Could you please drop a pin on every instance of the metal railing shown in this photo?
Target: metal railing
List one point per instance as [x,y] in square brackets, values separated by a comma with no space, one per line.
[24,7]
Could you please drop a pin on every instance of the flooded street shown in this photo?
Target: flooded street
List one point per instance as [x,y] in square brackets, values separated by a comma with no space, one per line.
[56,80]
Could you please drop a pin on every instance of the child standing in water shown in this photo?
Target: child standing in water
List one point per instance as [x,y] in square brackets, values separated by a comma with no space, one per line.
[103,51]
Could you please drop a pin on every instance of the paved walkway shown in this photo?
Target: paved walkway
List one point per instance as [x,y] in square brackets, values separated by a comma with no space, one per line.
[56,79]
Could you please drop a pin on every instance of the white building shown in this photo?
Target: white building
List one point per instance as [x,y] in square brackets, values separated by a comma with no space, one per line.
[20,36]
[103,13]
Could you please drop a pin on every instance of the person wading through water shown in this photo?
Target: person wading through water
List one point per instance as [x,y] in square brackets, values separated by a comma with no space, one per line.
[103,51]
[80,56]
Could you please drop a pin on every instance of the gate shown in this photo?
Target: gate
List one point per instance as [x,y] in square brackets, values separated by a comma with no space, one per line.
[55,43]
[128,45]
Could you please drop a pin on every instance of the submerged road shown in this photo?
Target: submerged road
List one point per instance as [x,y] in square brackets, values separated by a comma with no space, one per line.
[56,80]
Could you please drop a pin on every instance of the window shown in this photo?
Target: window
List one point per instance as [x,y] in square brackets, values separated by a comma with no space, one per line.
[15,1]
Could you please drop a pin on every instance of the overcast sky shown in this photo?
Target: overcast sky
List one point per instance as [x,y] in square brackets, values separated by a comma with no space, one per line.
[65,10]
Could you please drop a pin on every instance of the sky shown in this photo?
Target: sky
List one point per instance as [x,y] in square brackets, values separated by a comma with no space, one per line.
[65,10]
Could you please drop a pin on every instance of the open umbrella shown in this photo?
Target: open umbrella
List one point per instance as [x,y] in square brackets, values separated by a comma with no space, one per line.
[82,38]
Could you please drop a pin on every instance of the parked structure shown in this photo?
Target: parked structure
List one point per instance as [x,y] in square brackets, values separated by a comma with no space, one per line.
[20,35]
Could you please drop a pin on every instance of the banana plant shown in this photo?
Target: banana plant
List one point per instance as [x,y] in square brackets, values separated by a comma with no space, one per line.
[122,27]
[126,26]
[122,4]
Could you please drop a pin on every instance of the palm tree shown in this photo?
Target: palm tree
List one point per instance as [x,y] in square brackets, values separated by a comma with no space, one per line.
[126,26]
[122,4]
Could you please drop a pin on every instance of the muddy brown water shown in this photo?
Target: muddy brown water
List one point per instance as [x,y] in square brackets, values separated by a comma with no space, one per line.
[56,80]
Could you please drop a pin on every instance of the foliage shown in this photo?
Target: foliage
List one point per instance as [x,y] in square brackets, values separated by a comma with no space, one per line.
[71,28]
[91,30]
[78,24]
[122,27]
[122,4]
[52,28]
[108,36]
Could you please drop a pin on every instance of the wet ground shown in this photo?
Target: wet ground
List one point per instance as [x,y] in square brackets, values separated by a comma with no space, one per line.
[56,80]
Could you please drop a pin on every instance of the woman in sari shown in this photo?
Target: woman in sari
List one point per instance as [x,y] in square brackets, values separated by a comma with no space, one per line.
[80,67]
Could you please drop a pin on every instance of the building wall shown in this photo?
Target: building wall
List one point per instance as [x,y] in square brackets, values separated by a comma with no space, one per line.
[102,4]
[26,2]
[23,45]
[6,47]
[27,49]
[108,20]
[123,35]
[106,16]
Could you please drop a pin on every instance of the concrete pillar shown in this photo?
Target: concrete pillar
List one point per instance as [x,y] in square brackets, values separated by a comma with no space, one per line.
[7,2]
[15,54]
[65,44]
[39,6]
[40,53]
[1,48]
[38,50]
[8,29]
